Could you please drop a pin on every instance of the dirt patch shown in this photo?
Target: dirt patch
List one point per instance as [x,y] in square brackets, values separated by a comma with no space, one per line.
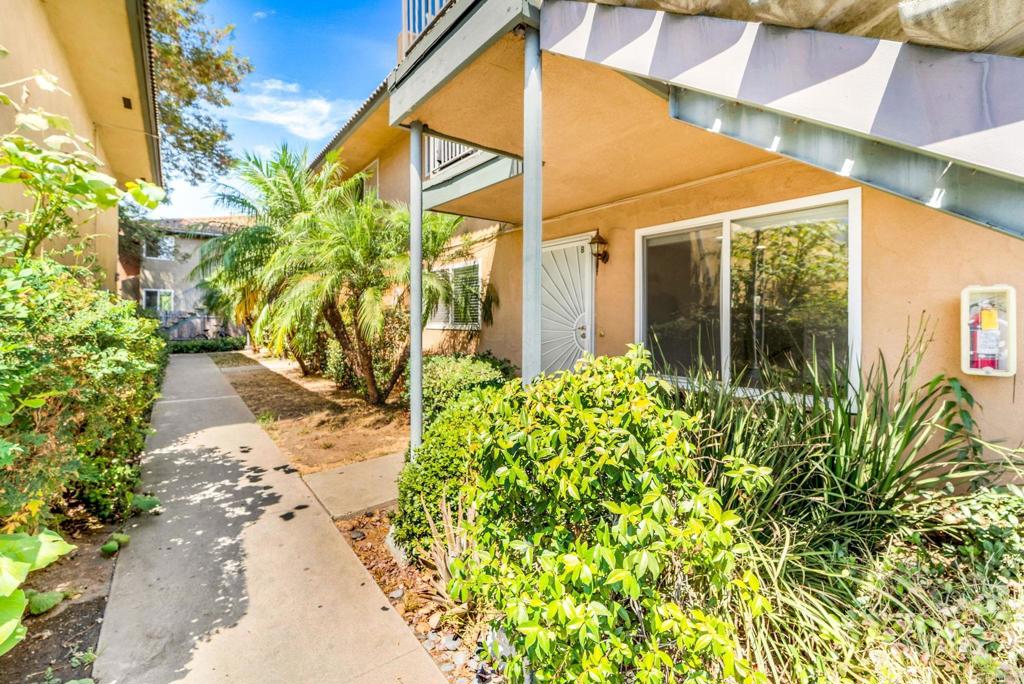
[61,644]
[411,589]
[233,359]
[317,425]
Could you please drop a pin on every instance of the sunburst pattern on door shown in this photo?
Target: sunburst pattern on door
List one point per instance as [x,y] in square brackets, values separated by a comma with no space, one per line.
[567,307]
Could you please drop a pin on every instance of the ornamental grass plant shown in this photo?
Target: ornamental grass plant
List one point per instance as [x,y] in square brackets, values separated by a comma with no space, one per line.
[622,529]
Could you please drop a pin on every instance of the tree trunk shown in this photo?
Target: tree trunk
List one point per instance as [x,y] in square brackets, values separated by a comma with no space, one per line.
[400,363]
[298,357]
[369,377]
[337,325]
[360,358]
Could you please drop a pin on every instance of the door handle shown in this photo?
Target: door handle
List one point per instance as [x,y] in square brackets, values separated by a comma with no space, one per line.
[582,330]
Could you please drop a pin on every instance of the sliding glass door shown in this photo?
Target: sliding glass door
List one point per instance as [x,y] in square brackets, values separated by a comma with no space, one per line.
[756,295]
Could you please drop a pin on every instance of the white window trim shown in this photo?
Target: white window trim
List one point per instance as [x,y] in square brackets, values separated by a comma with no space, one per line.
[159,291]
[433,325]
[147,255]
[852,198]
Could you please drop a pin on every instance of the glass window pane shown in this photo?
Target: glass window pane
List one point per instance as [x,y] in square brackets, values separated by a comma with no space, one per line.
[149,299]
[789,294]
[681,292]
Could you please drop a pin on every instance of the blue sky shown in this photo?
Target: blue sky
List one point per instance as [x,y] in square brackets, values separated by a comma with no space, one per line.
[314,63]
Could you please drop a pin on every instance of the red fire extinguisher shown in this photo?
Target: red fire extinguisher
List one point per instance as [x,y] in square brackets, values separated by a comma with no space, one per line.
[984,338]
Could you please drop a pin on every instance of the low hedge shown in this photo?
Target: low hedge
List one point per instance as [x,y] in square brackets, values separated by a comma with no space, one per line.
[202,346]
[440,468]
[79,371]
[446,377]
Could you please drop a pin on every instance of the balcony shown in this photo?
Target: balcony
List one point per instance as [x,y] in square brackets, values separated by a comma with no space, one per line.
[417,16]
[443,155]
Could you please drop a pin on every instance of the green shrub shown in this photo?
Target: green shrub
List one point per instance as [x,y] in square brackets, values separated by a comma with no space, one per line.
[440,469]
[856,475]
[338,368]
[447,377]
[80,372]
[603,554]
[202,346]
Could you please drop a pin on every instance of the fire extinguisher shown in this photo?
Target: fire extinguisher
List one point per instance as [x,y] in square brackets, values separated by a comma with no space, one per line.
[989,357]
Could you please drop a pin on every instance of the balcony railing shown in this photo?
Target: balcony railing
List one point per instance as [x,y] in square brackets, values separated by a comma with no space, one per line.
[442,154]
[416,17]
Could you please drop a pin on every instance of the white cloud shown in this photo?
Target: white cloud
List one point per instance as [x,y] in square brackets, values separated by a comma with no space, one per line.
[269,85]
[260,15]
[283,104]
[189,201]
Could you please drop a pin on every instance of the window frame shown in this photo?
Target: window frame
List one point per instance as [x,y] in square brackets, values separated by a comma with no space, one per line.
[147,255]
[158,291]
[852,199]
[449,325]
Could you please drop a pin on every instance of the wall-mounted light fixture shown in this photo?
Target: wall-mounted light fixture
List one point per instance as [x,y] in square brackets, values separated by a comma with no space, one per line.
[599,250]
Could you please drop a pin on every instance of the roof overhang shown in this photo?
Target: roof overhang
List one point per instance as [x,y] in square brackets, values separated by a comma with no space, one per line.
[367,113]
[951,117]
[108,51]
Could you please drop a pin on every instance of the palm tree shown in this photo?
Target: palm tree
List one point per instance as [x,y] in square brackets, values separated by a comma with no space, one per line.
[350,259]
[272,193]
[322,251]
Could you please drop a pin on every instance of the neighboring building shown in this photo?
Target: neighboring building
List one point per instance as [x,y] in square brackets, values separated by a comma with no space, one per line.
[165,282]
[754,191]
[99,51]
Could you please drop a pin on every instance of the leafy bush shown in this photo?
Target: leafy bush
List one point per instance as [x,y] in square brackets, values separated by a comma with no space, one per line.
[603,553]
[80,371]
[447,377]
[201,346]
[21,554]
[857,517]
[441,467]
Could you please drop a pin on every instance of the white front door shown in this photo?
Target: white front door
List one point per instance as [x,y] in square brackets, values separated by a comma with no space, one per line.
[567,302]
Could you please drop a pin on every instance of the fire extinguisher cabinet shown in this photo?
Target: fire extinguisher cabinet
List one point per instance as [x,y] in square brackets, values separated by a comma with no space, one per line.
[988,325]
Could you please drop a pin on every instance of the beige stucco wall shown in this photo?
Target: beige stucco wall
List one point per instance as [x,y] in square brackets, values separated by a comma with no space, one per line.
[915,261]
[26,33]
[175,274]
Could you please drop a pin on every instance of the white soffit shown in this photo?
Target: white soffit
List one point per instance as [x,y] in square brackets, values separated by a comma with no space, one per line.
[964,107]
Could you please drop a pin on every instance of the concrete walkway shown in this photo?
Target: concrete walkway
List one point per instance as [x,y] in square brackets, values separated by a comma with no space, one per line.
[358,487]
[244,578]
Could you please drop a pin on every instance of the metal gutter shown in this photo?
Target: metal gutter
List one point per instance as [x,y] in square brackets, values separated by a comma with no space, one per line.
[369,105]
[139,25]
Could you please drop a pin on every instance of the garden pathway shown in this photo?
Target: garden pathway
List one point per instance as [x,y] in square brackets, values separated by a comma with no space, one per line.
[244,577]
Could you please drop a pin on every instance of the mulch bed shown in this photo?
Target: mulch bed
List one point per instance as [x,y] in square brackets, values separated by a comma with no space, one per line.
[412,593]
[61,643]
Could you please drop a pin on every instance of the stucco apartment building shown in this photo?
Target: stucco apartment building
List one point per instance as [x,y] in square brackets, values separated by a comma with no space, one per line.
[733,181]
[167,284]
[99,51]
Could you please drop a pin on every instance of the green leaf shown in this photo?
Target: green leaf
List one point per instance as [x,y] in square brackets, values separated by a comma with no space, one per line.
[12,574]
[45,80]
[52,547]
[15,638]
[8,451]
[32,121]
[40,602]
[11,609]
